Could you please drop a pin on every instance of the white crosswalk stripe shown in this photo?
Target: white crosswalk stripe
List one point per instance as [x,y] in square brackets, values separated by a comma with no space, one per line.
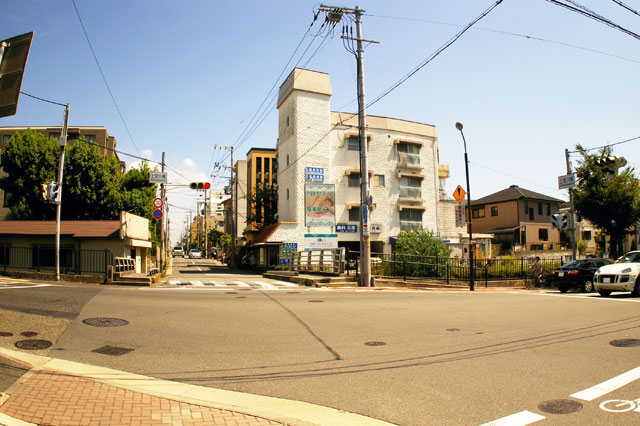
[241,284]
[221,285]
[264,285]
[196,283]
[287,284]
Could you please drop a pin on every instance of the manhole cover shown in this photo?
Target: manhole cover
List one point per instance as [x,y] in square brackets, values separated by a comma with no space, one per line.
[293,292]
[105,322]
[374,343]
[5,334]
[560,406]
[33,344]
[316,301]
[453,329]
[241,297]
[625,343]
[29,334]
[112,350]
[230,292]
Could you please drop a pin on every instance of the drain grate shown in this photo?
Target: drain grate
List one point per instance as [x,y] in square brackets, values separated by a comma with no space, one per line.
[112,350]
[29,334]
[105,322]
[560,406]
[5,334]
[625,343]
[33,344]
[374,343]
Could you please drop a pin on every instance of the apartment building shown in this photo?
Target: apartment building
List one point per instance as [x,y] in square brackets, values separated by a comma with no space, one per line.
[262,169]
[318,154]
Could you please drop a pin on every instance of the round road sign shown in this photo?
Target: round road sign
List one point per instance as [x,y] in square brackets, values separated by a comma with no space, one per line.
[157,214]
[157,203]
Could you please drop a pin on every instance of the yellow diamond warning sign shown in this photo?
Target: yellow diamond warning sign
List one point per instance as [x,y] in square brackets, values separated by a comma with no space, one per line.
[459,194]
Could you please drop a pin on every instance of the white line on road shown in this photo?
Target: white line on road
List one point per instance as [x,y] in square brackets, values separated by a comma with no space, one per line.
[174,282]
[264,285]
[196,283]
[219,284]
[241,284]
[2,287]
[287,284]
[571,296]
[518,419]
[608,386]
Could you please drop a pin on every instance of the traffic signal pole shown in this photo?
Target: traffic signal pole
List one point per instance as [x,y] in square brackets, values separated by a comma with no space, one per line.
[58,200]
[572,215]
[163,196]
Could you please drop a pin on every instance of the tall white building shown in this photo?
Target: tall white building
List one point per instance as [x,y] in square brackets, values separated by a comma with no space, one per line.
[318,149]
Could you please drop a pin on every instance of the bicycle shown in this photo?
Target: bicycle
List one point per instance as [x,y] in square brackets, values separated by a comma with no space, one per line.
[532,282]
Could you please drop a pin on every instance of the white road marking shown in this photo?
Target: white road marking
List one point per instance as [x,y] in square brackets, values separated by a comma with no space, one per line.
[3,286]
[219,284]
[266,286]
[571,296]
[197,283]
[608,386]
[287,284]
[518,419]
[241,284]
[174,282]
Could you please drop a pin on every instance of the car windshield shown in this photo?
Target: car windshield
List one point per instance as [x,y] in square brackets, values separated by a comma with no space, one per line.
[573,264]
[630,258]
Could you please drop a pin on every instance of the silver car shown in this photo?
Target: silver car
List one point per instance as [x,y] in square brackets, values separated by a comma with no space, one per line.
[195,254]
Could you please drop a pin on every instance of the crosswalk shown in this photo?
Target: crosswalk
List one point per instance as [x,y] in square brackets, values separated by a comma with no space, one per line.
[6,285]
[178,284]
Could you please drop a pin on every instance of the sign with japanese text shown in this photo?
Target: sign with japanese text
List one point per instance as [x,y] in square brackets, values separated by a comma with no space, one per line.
[320,241]
[319,204]
[288,248]
[314,174]
[376,229]
[346,228]
[460,215]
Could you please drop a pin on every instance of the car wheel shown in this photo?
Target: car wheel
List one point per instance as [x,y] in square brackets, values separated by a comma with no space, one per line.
[636,289]
[563,288]
[587,287]
[604,293]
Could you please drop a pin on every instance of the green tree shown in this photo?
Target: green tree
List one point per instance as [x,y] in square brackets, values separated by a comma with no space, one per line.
[29,159]
[608,200]
[262,205]
[420,242]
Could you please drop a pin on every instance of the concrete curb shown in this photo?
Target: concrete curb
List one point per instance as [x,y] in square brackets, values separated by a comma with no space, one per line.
[277,409]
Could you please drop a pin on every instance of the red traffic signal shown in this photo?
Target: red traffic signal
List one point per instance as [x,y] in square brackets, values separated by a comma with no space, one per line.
[199,185]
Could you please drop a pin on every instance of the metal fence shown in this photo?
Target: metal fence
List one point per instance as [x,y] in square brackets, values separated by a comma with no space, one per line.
[411,267]
[41,258]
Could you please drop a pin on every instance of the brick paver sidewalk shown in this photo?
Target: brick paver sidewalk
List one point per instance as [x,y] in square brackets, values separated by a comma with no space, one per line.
[52,398]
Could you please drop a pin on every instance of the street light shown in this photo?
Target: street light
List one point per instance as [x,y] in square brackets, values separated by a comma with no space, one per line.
[466,168]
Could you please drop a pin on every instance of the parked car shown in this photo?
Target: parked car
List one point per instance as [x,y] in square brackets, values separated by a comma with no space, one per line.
[621,276]
[195,254]
[177,251]
[577,274]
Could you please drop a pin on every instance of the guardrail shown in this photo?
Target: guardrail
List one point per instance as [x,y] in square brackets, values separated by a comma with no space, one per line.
[124,264]
[329,261]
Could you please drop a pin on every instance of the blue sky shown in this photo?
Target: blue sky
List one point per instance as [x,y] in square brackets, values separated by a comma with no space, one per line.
[187,75]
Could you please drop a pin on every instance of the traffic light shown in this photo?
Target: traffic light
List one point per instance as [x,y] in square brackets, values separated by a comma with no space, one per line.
[43,191]
[559,221]
[199,185]
[53,192]
[611,164]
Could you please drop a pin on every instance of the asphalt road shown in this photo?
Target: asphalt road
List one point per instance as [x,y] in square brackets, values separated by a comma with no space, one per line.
[407,357]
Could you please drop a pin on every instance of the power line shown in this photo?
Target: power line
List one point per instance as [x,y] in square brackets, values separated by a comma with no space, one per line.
[608,145]
[434,54]
[577,8]
[43,100]
[103,77]
[618,2]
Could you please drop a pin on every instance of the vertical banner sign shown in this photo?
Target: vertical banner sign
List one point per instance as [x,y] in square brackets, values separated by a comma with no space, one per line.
[460,215]
[319,204]
[365,219]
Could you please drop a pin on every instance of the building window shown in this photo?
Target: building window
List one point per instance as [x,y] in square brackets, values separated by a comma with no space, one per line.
[410,219]
[354,179]
[410,187]
[54,135]
[287,193]
[543,234]
[5,139]
[354,214]
[378,180]
[540,209]
[531,215]
[548,209]
[408,153]
[586,235]
[258,169]
[274,171]
[477,213]
[353,143]
[267,163]
[7,199]
[494,211]
[90,138]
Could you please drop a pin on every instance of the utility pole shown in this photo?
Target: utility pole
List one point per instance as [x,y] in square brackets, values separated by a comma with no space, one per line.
[572,215]
[163,195]
[58,200]
[234,208]
[334,14]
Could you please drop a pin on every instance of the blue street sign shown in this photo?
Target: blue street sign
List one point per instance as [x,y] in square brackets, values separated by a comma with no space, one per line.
[157,214]
[314,174]
[346,228]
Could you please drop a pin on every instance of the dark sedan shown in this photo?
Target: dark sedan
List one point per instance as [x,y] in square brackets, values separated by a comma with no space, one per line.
[577,274]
